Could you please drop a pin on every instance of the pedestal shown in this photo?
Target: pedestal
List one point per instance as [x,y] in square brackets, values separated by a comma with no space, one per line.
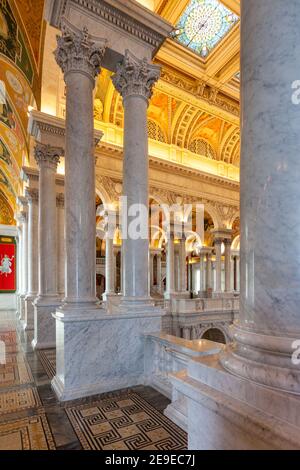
[44,324]
[226,412]
[97,352]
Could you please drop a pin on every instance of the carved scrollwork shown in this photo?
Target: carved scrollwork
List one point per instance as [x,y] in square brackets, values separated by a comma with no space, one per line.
[77,53]
[135,77]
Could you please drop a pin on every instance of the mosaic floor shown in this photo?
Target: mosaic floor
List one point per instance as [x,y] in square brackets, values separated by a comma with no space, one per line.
[31,418]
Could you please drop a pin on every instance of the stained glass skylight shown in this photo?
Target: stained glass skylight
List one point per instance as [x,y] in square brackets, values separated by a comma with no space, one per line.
[203,24]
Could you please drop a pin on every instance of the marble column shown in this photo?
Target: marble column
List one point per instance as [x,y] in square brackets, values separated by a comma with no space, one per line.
[209,272]
[32,195]
[151,269]
[159,274]
[218,250]
[269,320]
[134,80]
[182,266]
[24,221]
[80,60]
[170,267]
[202,273]
[110,266]
[227,265]
[60,208]
[19,265]
[47,158]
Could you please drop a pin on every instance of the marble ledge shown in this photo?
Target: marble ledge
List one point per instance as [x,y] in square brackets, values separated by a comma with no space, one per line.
[192,347]
[248,427]
[84,314]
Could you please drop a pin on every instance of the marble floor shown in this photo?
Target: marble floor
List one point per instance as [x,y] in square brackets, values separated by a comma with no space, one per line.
[31,418]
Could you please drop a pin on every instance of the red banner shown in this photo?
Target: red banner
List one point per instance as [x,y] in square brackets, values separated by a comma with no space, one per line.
[7,265]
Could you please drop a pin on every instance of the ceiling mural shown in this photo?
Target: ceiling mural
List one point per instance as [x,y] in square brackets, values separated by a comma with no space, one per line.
[203,25]
[6,212]
[12,42]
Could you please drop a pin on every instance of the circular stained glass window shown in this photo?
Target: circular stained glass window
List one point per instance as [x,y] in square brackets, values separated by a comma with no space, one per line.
[203,24]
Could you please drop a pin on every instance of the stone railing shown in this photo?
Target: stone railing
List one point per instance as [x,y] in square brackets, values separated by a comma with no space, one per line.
[100,261]
[190,306]
[166,355]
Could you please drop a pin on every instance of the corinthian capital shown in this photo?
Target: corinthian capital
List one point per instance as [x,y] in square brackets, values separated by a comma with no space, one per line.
[47,155]
[76,52]
[135,77]
[32,195]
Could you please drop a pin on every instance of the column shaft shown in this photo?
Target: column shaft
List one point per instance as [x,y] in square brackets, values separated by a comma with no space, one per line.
[269,319]
[218,249]
[227,265]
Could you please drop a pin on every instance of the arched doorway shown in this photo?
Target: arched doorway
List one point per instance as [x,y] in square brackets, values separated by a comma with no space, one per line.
[214,334]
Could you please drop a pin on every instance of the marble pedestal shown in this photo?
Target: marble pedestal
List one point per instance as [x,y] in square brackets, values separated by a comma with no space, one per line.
[226,412]
[28,322]
[44,323]
[98,352]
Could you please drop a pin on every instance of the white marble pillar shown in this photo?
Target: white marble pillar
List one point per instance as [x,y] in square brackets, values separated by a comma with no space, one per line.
[170,267]
[159,273]
[238,263]
[47,158]
[134,80]
[19,262]
[209,282]
[151,270]
[269,320]
[218,250]
[24,221]
[227,265]
[182,266]
[60,208]
[110,266]
[80,60]
[202,273]
[32,195]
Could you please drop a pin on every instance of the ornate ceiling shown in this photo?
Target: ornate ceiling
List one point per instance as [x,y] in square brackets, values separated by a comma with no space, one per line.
[21,33]
[195,106]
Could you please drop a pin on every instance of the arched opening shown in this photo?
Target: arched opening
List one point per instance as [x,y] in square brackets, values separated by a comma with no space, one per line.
[214,334]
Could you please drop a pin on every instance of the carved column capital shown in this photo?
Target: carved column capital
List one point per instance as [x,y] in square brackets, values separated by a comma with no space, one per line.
[76,52]
[45,154]
[135,77]
[60,200]
[32,195]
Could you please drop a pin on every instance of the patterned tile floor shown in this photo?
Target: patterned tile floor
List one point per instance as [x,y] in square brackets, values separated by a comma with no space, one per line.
[31,417]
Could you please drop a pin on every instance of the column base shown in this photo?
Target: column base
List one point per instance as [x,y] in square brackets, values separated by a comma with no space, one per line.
[264,359]
[44,324]
[98,352]
[225,412]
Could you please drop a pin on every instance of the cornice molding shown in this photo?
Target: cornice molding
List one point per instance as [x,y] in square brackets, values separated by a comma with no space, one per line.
[174,168]
[126,15]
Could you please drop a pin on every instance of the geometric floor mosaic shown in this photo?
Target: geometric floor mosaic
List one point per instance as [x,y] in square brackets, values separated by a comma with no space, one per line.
[15,374]
[13,401]
[48,359]
[125,423]
[31,417]
[30,433]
